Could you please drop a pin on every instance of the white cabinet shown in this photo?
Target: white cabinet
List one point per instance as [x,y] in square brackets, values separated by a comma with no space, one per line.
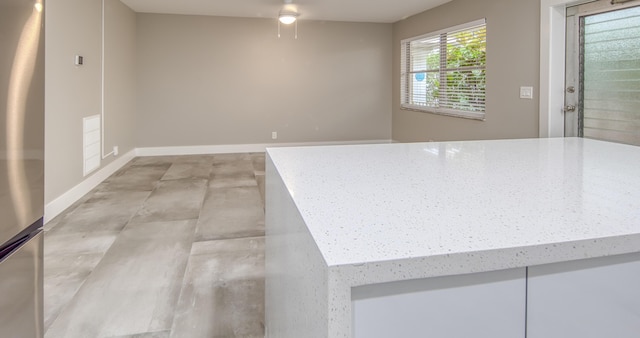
[591,298]
[489,304]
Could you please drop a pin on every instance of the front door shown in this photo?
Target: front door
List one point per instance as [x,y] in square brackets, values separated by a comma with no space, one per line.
[602,86]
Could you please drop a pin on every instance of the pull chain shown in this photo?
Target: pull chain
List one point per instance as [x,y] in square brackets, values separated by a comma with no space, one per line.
[296,29]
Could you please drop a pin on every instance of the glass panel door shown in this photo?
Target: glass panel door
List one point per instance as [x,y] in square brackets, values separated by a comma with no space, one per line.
[605,70]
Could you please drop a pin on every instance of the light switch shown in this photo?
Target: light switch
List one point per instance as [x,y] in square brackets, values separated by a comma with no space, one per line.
[79,60]
[526,92]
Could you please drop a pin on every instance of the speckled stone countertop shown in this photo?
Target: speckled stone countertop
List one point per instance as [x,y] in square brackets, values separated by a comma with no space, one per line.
[392,212]
[471,206]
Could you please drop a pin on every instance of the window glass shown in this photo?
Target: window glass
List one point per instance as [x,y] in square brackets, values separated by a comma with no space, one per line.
[610,76]
[444,72]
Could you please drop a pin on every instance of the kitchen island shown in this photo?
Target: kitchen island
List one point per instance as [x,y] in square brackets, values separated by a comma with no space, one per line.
[359,236]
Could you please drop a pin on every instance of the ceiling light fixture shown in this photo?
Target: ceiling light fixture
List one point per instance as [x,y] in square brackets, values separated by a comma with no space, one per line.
[288,17]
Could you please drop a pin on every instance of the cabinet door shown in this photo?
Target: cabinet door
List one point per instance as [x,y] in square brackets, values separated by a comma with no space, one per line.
[488,304]
[591,298]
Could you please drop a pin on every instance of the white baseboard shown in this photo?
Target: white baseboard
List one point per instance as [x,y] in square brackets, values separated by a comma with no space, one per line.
[238,148]
[62,202]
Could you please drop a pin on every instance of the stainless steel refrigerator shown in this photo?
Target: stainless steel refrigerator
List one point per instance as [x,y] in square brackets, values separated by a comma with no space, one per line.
[21,167]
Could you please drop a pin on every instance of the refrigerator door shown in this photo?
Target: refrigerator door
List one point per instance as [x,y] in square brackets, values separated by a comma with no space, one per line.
[21,308]
[21,115]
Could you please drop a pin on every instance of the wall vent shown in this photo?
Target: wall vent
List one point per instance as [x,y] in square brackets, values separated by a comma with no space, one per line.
[91,143]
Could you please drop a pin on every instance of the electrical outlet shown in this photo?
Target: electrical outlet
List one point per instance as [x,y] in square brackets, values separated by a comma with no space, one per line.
[274,135]
[115,151]
[526,92]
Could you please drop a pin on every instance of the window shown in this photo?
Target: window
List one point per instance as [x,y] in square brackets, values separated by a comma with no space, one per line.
[444,72]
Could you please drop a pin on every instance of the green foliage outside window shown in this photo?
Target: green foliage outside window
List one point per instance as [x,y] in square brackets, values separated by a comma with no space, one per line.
[465,80]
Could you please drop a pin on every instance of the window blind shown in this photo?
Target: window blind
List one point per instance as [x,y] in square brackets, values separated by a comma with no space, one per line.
[610,69]
[444,72]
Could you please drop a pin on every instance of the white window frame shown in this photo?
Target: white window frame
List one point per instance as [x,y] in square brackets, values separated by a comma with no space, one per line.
[404,65]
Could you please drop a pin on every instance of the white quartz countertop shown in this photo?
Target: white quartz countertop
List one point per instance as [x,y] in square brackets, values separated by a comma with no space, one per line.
[393,202]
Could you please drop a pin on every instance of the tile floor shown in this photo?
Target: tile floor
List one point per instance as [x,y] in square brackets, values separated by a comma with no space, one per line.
[166,247]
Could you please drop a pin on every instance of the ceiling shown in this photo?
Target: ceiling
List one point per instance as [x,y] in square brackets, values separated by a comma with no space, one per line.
[383,11]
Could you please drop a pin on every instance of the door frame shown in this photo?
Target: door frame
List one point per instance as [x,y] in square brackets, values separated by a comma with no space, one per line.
[552,66]
[572,73]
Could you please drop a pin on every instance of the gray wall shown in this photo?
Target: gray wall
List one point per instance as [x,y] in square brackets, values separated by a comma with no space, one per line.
[215,80]
[513,30]
[71,93]
[173,80]
[119,76]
